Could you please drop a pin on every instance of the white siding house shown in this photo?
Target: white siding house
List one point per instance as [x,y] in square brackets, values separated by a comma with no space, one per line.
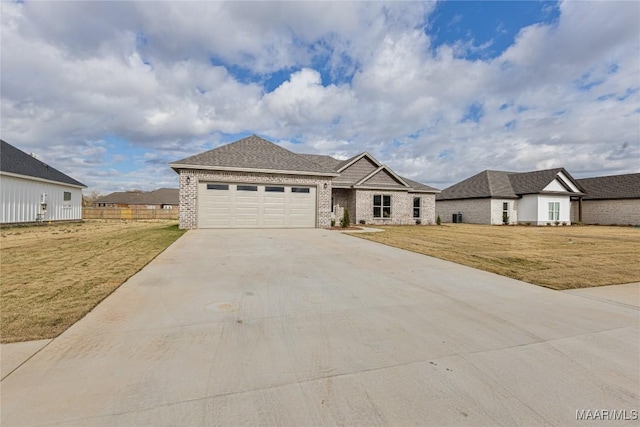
[33,191]
[498,197]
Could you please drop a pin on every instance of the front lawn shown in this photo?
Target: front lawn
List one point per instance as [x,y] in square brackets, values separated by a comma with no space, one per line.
[52,275]
[555,257]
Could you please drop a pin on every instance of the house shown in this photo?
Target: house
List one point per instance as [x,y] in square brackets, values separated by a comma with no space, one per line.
[611,199]
[497,197]
[32,191]
[254,183]
[162,198]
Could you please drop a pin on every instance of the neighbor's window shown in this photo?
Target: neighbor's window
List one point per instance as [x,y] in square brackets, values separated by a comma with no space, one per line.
[554,211]
[381,206]
[247,188]
[66,198]
[505,212]
[416,207]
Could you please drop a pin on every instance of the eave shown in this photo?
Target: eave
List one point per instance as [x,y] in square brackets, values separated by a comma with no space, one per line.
[178,166]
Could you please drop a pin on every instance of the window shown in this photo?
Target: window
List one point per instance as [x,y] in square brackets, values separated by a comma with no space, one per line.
[274,189]
[381,206]
[217,187]
[554,211]
[299,189]
[247,188]
[505,213]
[66,199]
[416,207]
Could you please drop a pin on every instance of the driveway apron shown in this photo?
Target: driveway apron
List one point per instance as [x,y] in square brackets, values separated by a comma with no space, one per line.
[314,327]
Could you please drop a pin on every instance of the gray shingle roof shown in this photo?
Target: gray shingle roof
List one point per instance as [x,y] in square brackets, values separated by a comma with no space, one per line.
[254,152]
[417,186]
[13,160]
[503,185]
[612,187]
[161,196]
[326,161]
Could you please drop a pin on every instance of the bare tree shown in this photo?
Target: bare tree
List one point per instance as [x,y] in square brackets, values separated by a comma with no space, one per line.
[89,198]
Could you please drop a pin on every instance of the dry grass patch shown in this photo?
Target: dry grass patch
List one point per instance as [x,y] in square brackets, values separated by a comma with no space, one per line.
[53,275]
[555,257]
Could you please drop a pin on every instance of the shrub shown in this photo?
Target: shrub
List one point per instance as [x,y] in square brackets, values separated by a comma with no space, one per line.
[564,223]
[528,224]
[505,219]
[333,222]
[345,221]
[362,222]
[548,224]
[438,221]
[557,223]
[418,222]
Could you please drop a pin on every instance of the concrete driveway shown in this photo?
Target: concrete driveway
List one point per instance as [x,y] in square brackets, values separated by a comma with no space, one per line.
[313,327]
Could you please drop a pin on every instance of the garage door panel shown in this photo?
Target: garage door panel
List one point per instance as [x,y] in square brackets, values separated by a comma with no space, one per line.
[227,205]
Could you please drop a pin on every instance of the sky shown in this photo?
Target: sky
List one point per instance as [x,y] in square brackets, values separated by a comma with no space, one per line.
[112,92]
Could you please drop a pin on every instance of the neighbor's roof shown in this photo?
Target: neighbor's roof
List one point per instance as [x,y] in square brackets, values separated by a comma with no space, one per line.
[253,153]
[13,160]
[161,196]
[612,187]
[503,185]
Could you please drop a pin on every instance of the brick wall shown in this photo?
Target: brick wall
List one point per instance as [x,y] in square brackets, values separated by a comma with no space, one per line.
[189,191]
[474,211]
[608,211]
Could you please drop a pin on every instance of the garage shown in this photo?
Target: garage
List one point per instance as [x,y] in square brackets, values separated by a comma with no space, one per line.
[246,205]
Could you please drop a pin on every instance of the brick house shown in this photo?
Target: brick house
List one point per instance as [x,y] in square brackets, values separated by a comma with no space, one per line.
[611,199]
[498,197]
[254,183]
[162,198]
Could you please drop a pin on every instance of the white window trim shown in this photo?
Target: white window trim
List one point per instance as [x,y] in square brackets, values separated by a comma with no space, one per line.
[554,211]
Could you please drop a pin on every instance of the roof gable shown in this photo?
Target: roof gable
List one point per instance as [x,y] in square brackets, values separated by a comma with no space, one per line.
[536,181]
[15,161]
[347,163]
[382,177]
[625,186]
[253,154]
[355,170]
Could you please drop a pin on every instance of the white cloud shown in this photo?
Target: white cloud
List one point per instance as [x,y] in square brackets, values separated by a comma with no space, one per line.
[75,73]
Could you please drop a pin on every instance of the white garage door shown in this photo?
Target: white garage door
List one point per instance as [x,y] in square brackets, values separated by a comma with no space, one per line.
[227,205]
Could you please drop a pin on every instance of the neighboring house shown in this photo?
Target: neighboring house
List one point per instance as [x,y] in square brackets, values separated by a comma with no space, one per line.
[33,191]
[254,183]
[610,200]
[162,198]
[497,197]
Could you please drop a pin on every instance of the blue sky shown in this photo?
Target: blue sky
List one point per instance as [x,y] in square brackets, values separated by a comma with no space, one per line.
[111,92]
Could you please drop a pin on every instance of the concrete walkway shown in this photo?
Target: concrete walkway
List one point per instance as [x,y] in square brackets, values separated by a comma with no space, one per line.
[313,327]
[627,294]
[15,354]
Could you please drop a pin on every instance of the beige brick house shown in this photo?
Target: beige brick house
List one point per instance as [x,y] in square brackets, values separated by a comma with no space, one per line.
[613,199]
[254,183]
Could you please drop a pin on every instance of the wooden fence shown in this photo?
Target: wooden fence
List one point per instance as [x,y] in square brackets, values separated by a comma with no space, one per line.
[128,213]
